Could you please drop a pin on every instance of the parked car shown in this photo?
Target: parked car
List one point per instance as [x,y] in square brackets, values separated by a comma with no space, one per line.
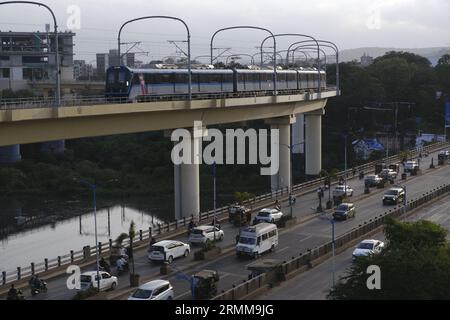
[89,279]
[411,166]
[366,247]
[203,234]
[340,191]
[268,215]
[388,174]
[153,290]
[168,250]
[344,211]
[394,196]
[372,180]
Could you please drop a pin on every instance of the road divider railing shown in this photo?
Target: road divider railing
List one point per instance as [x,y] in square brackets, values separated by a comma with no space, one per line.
[167,228]
[305,260]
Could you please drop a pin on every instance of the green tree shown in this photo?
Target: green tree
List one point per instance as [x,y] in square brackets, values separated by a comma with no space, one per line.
[409,57]
[395,74]
[242,196]
[414,265]
[444,60]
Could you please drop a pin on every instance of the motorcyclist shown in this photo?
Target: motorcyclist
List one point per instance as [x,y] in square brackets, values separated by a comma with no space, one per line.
[215,223]
[12,293]
[104,265]
[37,283]
[277,205]
[121,264]
[191,226]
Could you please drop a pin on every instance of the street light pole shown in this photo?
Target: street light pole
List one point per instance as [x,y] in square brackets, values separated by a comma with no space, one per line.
[333,248]
[94,190]
[93,187]
[214,219]
[345,169]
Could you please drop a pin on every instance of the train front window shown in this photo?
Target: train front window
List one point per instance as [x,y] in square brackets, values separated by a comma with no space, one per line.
[122,76]
[111,77]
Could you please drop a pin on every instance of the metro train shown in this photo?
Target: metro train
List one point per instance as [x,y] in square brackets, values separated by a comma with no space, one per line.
[127,83]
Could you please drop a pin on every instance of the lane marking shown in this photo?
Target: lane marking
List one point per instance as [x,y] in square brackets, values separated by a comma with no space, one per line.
[281,250]
[306,238]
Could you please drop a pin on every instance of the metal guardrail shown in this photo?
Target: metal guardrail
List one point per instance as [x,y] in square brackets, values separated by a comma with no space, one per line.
[246,288]
[143,235]
[31,103]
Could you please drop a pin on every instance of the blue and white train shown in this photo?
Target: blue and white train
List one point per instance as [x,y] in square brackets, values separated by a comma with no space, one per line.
[123,82]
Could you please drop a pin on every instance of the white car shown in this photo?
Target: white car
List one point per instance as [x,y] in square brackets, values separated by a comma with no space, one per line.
[203,234]
[153,290]
[366,247]
[411,165]
[268,215]
[388,174]
[89,279]
[340,191]
[168,250]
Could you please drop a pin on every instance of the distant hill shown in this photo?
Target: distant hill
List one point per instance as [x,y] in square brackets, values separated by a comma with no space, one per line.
[432,54]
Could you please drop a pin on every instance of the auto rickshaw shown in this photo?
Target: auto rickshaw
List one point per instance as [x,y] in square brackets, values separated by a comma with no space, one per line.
[271,267]
[205,284]
[239,215]
[442,157]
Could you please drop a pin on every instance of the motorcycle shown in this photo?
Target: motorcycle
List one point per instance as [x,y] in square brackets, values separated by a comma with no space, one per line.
[121,269]
[104,266]
[41,287]
[190,228]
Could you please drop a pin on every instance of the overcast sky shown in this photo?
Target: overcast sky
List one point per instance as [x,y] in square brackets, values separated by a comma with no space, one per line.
[348,23]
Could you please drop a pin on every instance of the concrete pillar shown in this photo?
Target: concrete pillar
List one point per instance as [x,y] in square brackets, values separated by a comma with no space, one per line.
[298,134]
[313,142]
[10,154]
[187,190]
[187,179]
[283,178]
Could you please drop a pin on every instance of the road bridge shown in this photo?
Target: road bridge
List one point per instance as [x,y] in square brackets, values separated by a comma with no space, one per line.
[40,123]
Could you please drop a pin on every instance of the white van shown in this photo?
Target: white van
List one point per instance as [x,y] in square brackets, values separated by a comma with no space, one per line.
[257,239]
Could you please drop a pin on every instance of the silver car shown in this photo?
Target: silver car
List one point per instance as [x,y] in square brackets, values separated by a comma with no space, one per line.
[344,211]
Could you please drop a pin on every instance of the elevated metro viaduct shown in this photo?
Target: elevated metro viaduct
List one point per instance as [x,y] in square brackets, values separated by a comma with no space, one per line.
[31,125]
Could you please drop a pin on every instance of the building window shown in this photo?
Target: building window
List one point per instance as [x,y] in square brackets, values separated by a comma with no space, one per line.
[27,74]
[4,73]
[4,58]
[34,59]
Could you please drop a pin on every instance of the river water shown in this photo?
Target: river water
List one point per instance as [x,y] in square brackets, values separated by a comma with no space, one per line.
[72,229]
[73,224]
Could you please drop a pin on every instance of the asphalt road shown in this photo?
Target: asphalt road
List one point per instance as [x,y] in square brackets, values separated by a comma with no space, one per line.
[292,241]
[316,283]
